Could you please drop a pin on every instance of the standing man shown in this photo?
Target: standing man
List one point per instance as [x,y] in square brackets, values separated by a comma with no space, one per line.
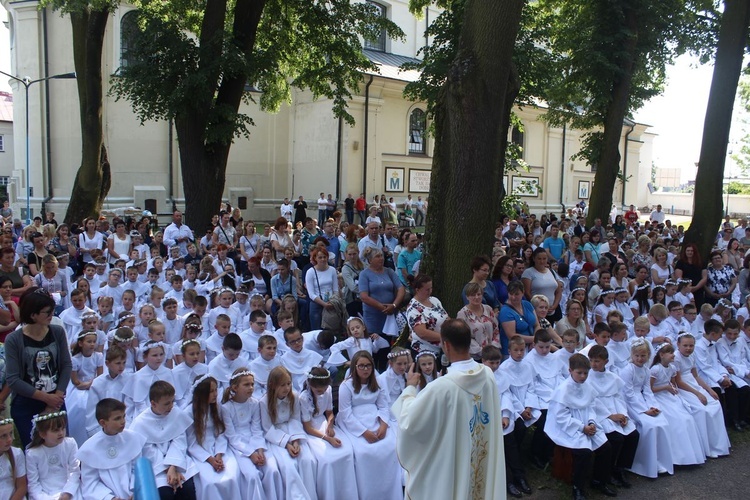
[330,208]
[349,208]
[554,245]
[419,212]
[361,206]
[322,208]
[178,234]
[371,240]
[657,215]
[464,406]
[334,246]
[300,211]
[631,216]
[286,209]
[407,258]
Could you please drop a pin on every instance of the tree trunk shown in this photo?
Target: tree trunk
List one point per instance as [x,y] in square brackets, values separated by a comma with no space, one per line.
[471,121]
[707,199]
[203,172]
[93,179]
[204,164]
[608,166]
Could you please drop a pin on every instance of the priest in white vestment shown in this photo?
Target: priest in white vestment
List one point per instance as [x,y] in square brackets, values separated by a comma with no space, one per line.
[450,438]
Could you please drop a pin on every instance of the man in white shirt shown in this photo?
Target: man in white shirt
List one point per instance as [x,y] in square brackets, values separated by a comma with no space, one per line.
[371,240]
[178,234]
[657,215]
[739,230]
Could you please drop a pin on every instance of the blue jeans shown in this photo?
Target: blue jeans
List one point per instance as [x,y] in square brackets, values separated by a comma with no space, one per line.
[362,217]
[22,410]
[316,315]
[321,217]
[350,216]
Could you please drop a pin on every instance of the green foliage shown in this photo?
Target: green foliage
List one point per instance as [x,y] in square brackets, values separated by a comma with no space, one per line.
[734,187]
[589,38]
[742,158]
[181,61]
[68,6]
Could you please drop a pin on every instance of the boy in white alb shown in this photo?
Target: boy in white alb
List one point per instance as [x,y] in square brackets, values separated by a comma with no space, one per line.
[612,415]
[251,336]
[107,385]
[264,363]
[548,375]
[571,423]
[231,358]
[298,359]
[108,457]
[165,428]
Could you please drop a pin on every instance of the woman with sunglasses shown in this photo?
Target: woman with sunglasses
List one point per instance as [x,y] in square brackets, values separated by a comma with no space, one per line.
[38,364]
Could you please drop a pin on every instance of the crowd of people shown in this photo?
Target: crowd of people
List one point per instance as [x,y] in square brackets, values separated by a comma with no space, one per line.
[215,354]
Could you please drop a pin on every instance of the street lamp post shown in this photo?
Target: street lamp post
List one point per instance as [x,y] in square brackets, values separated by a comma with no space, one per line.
[28,82]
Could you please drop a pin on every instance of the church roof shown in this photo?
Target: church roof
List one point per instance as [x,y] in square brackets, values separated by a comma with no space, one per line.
[6,107]
[389,65]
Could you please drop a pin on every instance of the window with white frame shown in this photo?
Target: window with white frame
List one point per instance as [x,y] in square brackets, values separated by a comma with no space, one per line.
[417,132]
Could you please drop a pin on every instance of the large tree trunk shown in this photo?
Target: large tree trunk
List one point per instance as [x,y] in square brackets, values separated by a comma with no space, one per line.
[471,121]
[203,173]
[608,166]
[93,179]
[204,164]
[707,199]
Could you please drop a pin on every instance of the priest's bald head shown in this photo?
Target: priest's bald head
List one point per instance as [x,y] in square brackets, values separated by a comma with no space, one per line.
[456,337]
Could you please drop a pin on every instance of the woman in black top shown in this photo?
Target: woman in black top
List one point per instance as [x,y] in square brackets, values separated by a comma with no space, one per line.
[38,364]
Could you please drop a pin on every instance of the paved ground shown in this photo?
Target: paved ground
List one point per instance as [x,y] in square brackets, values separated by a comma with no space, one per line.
[725,478]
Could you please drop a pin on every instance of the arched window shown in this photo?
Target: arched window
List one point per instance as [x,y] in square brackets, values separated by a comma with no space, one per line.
[417,132]
[128,33]
[377,43]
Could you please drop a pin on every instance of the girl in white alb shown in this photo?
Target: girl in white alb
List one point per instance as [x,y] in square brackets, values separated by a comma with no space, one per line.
[358,340]
[687,447]
[12,464]
[280,418]
[186,372]
[336,479]
[702,401]
[218,472]
[363,417]
[654,453]
[52,467]
[87,365]
[261,477]
[136,388]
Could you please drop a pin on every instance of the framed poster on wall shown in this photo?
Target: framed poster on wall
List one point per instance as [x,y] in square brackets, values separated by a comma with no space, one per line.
[419,180]
[394,180]
[584,190]
[526,186]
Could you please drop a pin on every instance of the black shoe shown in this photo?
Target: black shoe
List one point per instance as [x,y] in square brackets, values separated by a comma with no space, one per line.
[513,491]
[738,427]
[614,481]
[538,462]
[524,486]
[620,475]
[578,494]
[603,488]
